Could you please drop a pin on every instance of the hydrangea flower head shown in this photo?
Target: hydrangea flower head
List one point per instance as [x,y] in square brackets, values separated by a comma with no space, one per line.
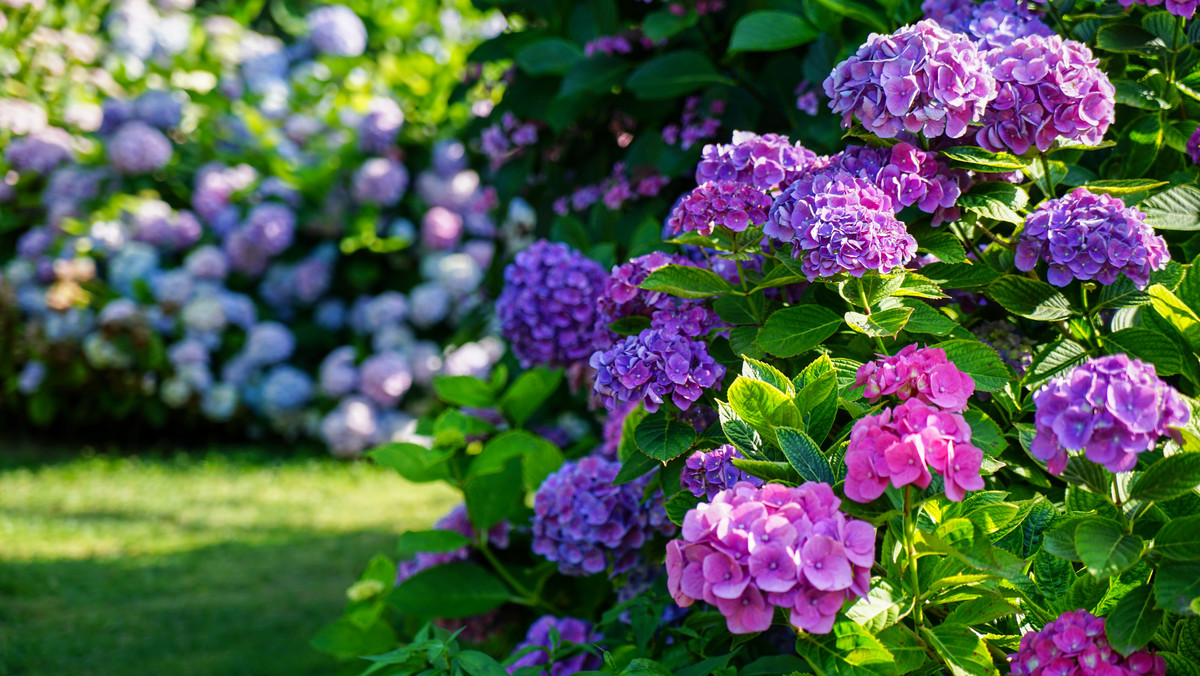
[659,364]
[839,223]
[921,79]
[1111,408]
[547,309]
[381,181]
[41,151]
[921,373]
[707,473]
[138,148]
[1181,8]
[752,549]
[1048,88]
[569,629]
[766,162]
[730,204]
[1084,236]
[385,377]
[992,23]
[908,175]
[1193,146]
[621,296]
[455,520]
[1076,643]
[901,445]
[337,30]
[586,525]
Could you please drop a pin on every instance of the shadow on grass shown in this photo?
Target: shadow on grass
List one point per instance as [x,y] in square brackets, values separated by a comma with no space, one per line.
[225,609]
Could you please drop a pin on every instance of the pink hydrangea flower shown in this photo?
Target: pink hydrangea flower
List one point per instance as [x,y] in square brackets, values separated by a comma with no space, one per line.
[923,373]
[1075,643]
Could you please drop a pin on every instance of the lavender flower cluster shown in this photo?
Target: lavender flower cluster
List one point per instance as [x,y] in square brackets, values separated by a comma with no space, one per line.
[993,23]
[1075,642]
[753,549]
[622,298]
[707,473]
[662,363]
[569,630]
[726,204]
[908,175]
[766,162]
[692,126]
[1084,235]
[587,525]
[1111,408]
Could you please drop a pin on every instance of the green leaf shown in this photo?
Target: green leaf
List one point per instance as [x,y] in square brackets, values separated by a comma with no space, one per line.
[1122,187]
[960,275]
[879,324]
[1132,623]
[528,392]
[963,650]
[635,466]
[491,498]
[1179,540]
[1029,298]
[857,12]
[986,435]
[662,438]
[596,75]
[927,320]
[966,541]
[674,74]
[415,463]
[430,541]
[769,31]
[1059,540]
[767,470]
[1147,345]
[452,590]
[464,391]
[1051,359]
[475,663]
[664,23]
[918,286]
[757,370]
[817,398]
[763,406]
[548,56]
[630,326]
[1175,209]
[686,282]
[848,650]
[1105,548]
[679,505]
[540,461]
[1177,587]
[1127,39]
[978,159]
[883,606]
[795,330]
[981,611]
[1168,478]
[989,207]
[346,640]
[979,361]
[739,432]
[804,455]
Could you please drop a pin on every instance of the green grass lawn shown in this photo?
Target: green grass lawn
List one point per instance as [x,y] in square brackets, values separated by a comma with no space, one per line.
[213,564]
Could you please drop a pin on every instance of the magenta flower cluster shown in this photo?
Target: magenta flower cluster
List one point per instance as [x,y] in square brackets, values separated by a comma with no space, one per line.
[585,524]
[547,308]
[456,520]
[922,78]
[1075,643]
[992,23]
[1085,236]
[706,473]
[1184,8]
[1193,146]
[924,374]
[659,364]
[766,162]
[569,630]
[1047,88]
[728,204]
[614,192]
[901,445]
[838,222]
[753,549]
[622,298]
[908,175]
[1111,408]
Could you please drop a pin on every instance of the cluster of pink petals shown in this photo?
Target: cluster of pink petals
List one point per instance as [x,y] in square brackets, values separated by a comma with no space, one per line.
[901,445]
[753,549]
[923,373]
[920,79]
[728,204]
[1075,643]
[767,162]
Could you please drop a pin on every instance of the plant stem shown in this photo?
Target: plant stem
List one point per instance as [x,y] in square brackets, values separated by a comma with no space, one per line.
[1048,188]
[1006,243]
[528,597]
[910,548]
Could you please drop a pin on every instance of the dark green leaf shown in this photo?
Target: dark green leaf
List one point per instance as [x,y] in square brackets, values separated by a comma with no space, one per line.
[960,275]
[528,392]
[1127,39]
[637,465]
[769,31]
[662,438]
[431,541]
[1060,538]
[664,23]
[795,330]
[1132,623]
[978,159]
[804,455]
[475,663]
[1177,587]
[1179,540]
[415,463]
[596,75]
[463,391]
[962,649]
[491,498]
[857,12]
[679,505]
[1168,478]
[739,432]
[1147,345]
[927,320]
[674,74]
[452,590]
[1029,298]
[685,281]
[848,650]
[548,56]
[1105,548]
[345,640]
[770,471]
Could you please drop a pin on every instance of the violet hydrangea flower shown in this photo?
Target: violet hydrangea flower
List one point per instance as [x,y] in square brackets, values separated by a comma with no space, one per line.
[455,520]
[658,364]
[622,298]
[1193,146]
[730,204]
[921,79]
[707,473]
[752,549]
[1111,408]
[569,629]
[766,162]
[1076,643]
[585,524]
[1047,88]
[337,30]
[901,445]
[992,23]
[908,175]
[924,374]
[380,181]
[836,223]
[138,148]
[547,309]
[1084,236]
[1181,8]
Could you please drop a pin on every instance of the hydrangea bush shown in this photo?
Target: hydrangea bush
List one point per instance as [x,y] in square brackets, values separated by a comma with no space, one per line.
[896,325]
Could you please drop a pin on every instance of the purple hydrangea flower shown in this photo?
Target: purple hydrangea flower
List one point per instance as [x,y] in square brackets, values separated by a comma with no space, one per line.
[920,79]
[1086,236]
[380,181]
[338,373]
[729,204]
[569,630]
[765,162]
[1015,348]
[659,364]
[707,473]
[752,549]
[385,377]
[1076,643]
[839,223]
[41,151]
[271,227]
[158,109]
[586,524]
[908,175]
[1180,8]
[622,298]
[1111,408]
[380,126]
[286,388]
[1047,88]
[138,148]
[993,23]
[268,343]
[337,30]
[547,309]
[455,520]
[1193,146]
[351,427]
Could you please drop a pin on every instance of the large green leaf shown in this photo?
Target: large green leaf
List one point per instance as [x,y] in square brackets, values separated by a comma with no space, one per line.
[978,159]
[464,391]
[963,650]
[1175,209]
[596,75]
[795,330]
[686,281]
[1177,587]
[1147,345]
[804,455]
[451,590]
[879,324]
[528,392]
[964,275]
[1105,548]
[847,650]
[769,31]
[491,498]
[1029,298]
[1132,623]
[674,74]
[1168,478]
[763,406]
[980,362]
[432,541]
[415,463]
[1179,540]
[662,438]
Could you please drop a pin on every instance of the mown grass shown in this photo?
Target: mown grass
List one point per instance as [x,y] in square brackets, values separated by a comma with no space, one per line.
[224,563]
